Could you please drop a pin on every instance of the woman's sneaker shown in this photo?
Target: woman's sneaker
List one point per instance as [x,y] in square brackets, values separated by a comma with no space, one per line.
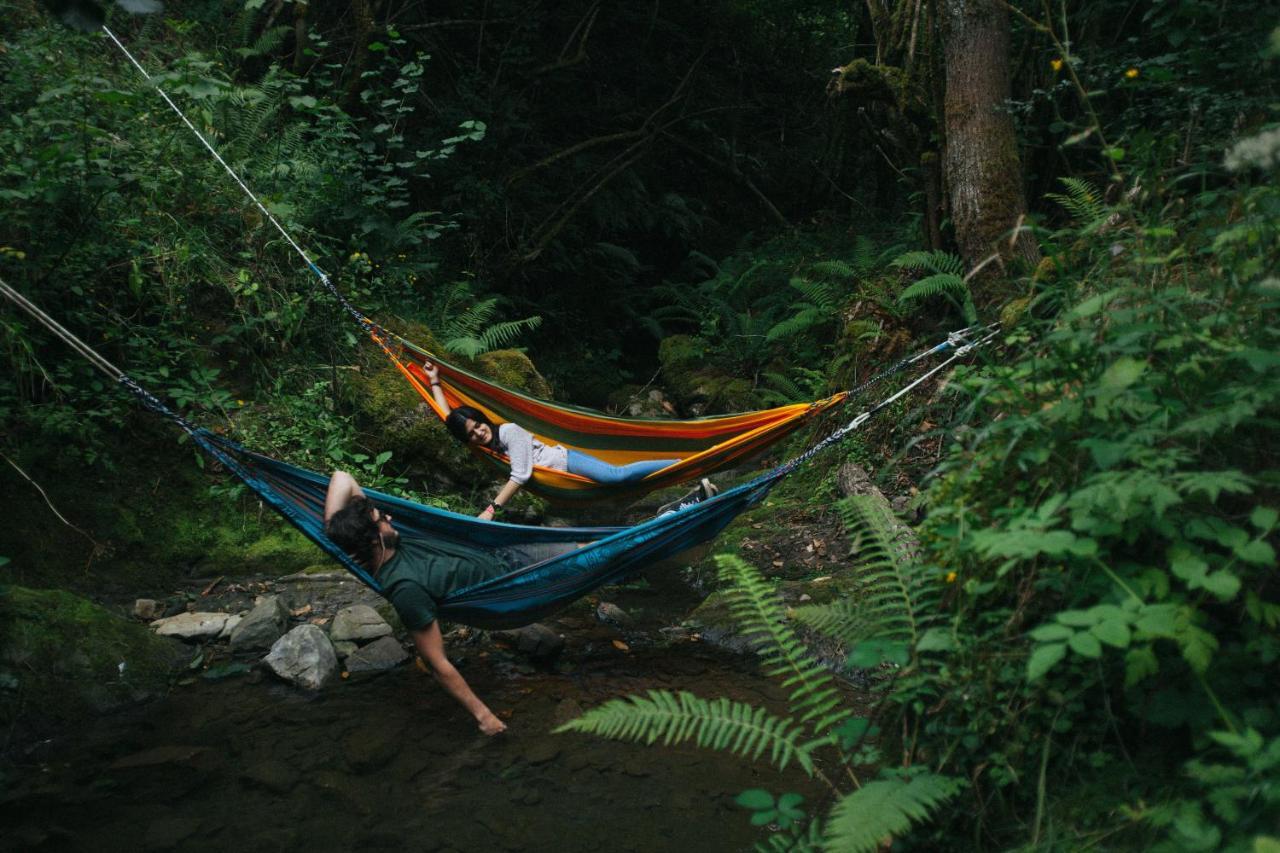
[706,489]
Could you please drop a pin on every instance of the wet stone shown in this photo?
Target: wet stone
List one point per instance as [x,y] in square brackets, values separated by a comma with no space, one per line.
[367,750]
[264,624]
[147,608]
[304,657]
[191,626]
[612,614]
[537,641]
[382,654]
[272,775]
[358,623]
[343,648]
[542,751]
[166,832]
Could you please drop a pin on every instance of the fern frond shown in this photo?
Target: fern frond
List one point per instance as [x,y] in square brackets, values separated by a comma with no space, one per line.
[718,724]
[895,597]
[943,282]
[864,254]
[885,808]
[785,386]
[1081,201]
[932,262]
[758,611]
[808,317]
[821,293]
[504,334]
[835,269]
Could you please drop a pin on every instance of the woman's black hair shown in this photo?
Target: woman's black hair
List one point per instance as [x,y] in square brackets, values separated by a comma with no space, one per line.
[456,423]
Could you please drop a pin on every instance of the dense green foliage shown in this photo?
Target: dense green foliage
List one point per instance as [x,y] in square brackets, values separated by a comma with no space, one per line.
[1085,651]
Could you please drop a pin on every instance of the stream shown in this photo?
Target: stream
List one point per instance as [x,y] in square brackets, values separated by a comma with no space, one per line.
[389,761]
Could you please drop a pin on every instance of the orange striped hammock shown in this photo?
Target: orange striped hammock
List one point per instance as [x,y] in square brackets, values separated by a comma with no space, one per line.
[703,445]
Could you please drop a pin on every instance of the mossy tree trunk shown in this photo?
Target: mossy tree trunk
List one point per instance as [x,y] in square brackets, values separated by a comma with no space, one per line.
[983,172]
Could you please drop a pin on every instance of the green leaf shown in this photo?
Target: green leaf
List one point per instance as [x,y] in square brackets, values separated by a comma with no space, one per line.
[1113,632]
[872,653]
[933,640]
[1044,658]
[1077,618]
[1085,645]
[1222,584]
[1264,518]
[1140,663]
[1051,632]
[1258,552]
[755,799]
[1121,374]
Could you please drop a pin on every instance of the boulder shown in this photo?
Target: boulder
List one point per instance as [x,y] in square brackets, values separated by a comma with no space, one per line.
[191,626]
[264,625]
[358,623]
[382,653]
[612,614]
[147,609]
[537,641]
[304,657]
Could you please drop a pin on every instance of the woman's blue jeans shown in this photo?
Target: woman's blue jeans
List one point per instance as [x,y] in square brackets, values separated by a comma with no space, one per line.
[602,472]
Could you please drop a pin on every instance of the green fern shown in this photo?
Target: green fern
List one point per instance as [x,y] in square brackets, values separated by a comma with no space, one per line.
[1082,203]
[943,282]
[931,262]
[759,612]
[946,277]
[715,723]
[885,808]
[895,597]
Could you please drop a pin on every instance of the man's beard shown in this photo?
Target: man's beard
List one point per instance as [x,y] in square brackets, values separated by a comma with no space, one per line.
[390,540]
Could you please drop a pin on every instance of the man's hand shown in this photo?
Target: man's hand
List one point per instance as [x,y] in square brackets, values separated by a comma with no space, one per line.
[491,725]
[486,514]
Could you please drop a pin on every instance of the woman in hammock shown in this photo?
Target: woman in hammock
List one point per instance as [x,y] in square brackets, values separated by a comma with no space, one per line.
[471,426]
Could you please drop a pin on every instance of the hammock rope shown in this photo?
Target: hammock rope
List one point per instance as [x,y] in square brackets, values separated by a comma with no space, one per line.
[702,446]
[526,594]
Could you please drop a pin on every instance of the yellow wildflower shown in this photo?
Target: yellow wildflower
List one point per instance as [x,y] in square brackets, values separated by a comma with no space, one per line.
[1055,64]
[951,577]
[1131,73]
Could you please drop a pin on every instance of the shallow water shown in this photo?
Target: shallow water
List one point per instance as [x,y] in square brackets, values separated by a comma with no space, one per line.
[389,761]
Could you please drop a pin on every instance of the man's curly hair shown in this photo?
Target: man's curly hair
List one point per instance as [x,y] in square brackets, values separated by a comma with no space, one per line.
[353,529]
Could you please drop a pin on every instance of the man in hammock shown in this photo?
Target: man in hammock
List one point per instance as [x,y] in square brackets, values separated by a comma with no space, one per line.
[415,573]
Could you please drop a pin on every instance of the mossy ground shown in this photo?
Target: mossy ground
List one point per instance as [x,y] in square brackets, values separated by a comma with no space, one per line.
[63,658]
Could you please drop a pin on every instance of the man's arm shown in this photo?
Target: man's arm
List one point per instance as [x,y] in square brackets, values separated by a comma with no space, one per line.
[342,489]
[430,645]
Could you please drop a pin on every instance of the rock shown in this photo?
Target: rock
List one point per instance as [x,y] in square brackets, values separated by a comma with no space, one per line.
[676,632]
[264,625]
[147,608]
[344,648]
[370,748]
[191,626]
[566,710]
[230,625]
[537,641]
[383,653]
[358,623]
[304,657]
[851,479]
[166,832]
[542,751]
[612,614]
[272,775]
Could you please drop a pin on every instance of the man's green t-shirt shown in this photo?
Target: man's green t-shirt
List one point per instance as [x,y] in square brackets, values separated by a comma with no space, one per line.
[423,572]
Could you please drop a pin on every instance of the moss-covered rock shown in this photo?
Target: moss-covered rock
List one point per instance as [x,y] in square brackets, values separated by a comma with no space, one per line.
[513,369]
[63,659]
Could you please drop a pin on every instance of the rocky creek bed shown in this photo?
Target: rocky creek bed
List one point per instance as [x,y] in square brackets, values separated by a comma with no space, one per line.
[298,717]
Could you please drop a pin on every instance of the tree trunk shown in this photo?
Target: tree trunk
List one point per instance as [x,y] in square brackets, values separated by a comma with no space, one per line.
[984,176]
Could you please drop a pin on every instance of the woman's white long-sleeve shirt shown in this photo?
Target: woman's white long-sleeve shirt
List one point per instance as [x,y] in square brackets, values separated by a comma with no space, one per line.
[525,451]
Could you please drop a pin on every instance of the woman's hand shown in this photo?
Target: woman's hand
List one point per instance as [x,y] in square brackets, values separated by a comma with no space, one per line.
[432,371]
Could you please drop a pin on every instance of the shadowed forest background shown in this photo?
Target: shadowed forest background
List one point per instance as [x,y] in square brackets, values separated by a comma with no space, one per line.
[679,209]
